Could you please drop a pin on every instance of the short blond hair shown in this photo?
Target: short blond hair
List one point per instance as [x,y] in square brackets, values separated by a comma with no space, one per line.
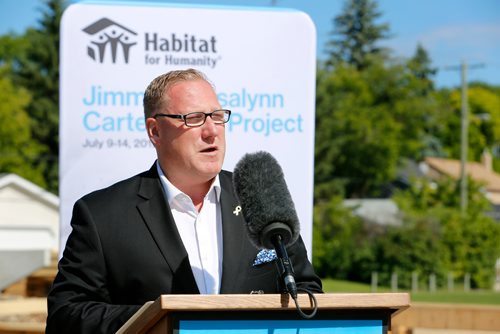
[156,97]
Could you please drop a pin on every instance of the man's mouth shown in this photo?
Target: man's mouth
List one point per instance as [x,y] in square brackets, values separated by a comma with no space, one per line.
[209,150]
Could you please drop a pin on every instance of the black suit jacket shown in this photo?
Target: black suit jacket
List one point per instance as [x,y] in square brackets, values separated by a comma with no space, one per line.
[125,250]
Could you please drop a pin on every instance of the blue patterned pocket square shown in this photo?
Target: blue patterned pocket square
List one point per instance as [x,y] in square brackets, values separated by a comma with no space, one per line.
[265,256]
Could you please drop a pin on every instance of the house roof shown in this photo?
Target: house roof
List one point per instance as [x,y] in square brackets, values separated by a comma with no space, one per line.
[475,170]
[13,180]
[380,211]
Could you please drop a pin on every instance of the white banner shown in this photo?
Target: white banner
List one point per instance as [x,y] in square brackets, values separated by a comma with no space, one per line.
[262,62]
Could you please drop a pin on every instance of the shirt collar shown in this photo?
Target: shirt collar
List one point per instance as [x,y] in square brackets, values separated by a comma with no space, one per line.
[172,191]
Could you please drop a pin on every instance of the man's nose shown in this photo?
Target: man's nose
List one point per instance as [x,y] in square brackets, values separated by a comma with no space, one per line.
[209,128]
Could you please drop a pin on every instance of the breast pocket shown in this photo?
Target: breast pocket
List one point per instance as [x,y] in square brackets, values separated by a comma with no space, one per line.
[262,278]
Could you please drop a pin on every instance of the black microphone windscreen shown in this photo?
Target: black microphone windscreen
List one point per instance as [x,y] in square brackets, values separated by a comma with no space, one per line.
[260,186]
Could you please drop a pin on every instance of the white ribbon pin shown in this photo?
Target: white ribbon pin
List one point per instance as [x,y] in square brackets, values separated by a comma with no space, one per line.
[237,210]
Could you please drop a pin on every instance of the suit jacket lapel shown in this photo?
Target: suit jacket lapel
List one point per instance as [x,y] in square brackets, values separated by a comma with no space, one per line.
[234,234]
[157,216]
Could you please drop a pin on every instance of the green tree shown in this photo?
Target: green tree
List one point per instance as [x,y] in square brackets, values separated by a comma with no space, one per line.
[12,47]
[469,244]
[408,249]
[356,34]
[337,232]
[484,120]
[416,107]
[357,136]
[17,149]
[420,65]
[36,69]
[373,114]
[433,238]
[370,122]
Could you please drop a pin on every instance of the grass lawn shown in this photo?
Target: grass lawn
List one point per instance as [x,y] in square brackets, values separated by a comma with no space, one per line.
[440,296]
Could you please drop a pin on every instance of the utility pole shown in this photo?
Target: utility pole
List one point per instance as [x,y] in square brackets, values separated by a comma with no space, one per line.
[464,133]
[464,141]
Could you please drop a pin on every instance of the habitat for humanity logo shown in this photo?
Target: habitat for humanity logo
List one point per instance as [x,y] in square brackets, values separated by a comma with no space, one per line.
[109,38]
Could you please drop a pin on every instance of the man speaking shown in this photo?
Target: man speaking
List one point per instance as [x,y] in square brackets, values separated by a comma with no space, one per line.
[174,229]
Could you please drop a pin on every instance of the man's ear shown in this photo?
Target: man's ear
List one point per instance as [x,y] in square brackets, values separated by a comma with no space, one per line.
[152,129]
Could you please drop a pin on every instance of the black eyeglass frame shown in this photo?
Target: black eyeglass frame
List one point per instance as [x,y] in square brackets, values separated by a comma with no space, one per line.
[206,114]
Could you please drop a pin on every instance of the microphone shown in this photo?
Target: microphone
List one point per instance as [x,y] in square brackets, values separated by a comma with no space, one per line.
[268,209]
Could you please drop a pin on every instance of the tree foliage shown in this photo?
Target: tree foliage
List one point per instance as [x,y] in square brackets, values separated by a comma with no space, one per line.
[17,149]
[356,35]
[420,66]
[33,63]
[433,238]
[337,232]
[484,121]
[374,114]
[468,244]
[369,121]
[356,135]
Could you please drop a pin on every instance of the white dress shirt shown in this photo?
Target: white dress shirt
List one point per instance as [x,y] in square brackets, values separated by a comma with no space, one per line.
[201,232]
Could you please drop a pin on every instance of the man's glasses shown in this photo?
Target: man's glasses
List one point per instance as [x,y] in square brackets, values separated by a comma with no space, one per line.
[195,119]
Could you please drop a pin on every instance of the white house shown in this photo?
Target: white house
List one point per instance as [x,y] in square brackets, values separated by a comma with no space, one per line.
[29,228]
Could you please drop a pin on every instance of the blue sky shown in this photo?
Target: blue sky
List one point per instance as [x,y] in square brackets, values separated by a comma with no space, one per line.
[452,31]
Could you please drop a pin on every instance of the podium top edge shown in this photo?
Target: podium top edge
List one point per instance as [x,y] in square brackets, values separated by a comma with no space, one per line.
[394,301]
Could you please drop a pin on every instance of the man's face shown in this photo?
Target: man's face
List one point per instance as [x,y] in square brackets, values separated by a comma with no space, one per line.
[189,155]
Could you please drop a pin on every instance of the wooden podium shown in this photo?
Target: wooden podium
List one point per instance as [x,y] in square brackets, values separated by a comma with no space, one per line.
[337,313]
